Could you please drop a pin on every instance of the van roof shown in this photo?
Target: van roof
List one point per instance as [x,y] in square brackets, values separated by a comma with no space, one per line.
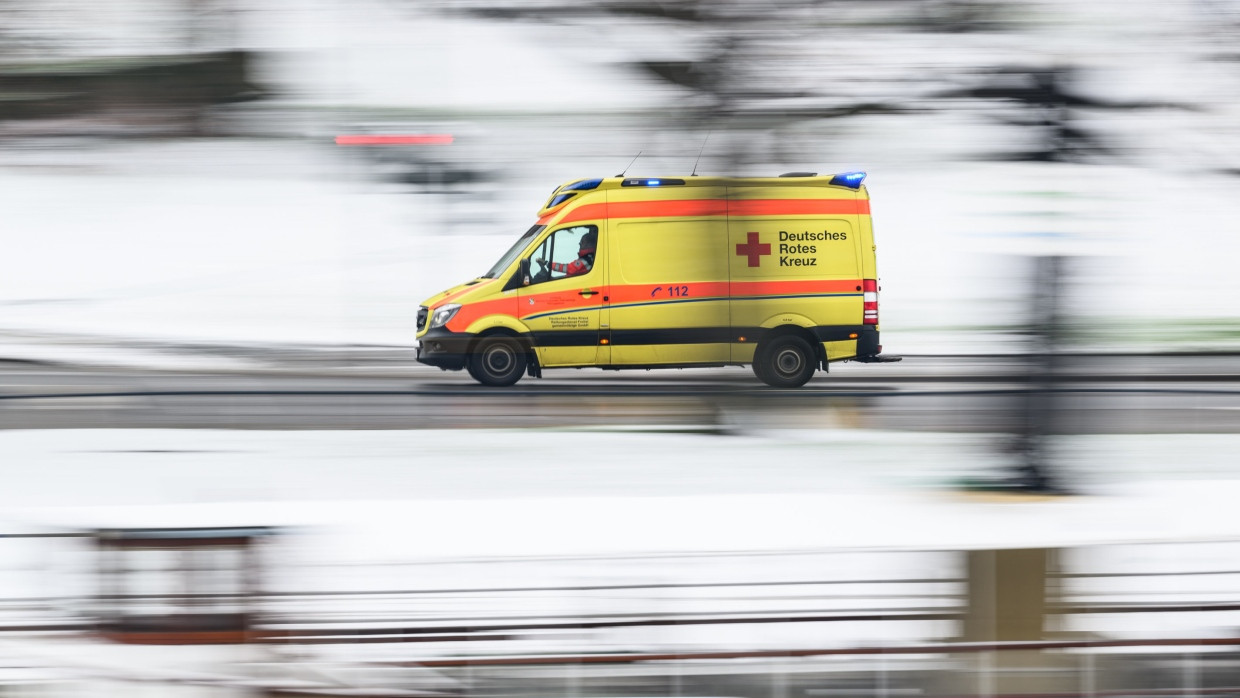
[845,182]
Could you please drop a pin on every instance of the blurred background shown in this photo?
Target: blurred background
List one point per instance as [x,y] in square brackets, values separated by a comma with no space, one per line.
[226,474]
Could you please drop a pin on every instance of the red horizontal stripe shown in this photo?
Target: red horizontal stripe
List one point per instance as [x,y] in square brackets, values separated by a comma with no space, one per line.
[396,139]
[661,209]
[793,288]
[714,207]
[648,209]
[558,302]
[639,293]
[618,294]
[586,213]
[798,207]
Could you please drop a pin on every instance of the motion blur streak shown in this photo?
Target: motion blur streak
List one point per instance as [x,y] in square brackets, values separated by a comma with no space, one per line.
[436,139]
[227,475]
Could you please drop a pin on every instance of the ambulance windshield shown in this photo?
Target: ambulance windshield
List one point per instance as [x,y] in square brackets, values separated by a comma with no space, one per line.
[513,252]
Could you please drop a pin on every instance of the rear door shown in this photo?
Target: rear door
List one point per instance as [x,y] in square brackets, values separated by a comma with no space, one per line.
[794,261]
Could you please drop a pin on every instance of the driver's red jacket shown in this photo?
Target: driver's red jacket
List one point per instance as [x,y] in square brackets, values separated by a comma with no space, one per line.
[580,265]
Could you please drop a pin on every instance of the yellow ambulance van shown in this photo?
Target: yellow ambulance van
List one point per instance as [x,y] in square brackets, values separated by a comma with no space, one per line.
[774,272]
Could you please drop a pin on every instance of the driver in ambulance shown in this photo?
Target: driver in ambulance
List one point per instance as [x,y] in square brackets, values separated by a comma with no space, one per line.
[585,257]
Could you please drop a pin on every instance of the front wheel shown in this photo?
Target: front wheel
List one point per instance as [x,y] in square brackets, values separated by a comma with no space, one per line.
[784,362]
[497,361]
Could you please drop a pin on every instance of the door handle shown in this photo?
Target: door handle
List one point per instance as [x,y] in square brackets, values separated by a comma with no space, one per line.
[586,292]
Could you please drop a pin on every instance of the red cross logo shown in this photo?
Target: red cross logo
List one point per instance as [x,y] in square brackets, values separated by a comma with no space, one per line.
[753,249]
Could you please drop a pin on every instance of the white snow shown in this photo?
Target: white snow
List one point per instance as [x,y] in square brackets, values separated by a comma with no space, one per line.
[816,489]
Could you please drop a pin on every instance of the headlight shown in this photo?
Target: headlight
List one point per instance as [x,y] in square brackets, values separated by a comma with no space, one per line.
[444,313]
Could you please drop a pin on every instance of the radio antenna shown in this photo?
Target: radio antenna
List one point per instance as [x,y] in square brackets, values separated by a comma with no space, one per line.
[639,154]
[699,157]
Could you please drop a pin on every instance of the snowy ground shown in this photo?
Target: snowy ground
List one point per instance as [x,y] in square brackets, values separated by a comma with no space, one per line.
[667,492]
[391,510]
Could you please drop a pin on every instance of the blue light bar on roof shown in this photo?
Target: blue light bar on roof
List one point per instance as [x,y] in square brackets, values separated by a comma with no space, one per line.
[651,182]
[583,185]
[852,180]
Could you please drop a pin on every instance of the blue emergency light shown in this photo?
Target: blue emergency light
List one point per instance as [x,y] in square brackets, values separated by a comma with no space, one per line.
[852,180]
[583,185]
[650,182]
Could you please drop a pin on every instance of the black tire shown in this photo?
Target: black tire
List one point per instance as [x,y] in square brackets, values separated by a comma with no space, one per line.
[497,361]
[759,363]
[785,362]
[469,367]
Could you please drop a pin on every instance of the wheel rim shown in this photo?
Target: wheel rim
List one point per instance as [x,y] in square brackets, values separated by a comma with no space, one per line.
[788,362]
[498,360]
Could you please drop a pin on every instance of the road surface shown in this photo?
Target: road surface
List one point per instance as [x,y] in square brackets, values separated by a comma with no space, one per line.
[1089,394]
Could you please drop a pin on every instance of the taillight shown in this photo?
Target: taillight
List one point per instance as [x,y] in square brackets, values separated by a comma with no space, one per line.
[869,299]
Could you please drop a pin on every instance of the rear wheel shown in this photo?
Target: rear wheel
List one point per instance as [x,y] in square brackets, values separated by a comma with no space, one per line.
[497,361]
[784,362]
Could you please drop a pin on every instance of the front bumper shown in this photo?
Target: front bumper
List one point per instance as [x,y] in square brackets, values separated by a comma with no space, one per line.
[444,349]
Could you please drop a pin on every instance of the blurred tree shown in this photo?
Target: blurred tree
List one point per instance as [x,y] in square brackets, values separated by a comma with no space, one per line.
[1046,100]
[1042,401]
[738,61]
[743,69]
[52,76]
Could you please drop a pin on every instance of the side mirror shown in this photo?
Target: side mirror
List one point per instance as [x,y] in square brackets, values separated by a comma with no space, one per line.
[525,271]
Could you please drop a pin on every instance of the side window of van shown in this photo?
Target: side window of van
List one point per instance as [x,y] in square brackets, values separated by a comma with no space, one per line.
[566,252]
